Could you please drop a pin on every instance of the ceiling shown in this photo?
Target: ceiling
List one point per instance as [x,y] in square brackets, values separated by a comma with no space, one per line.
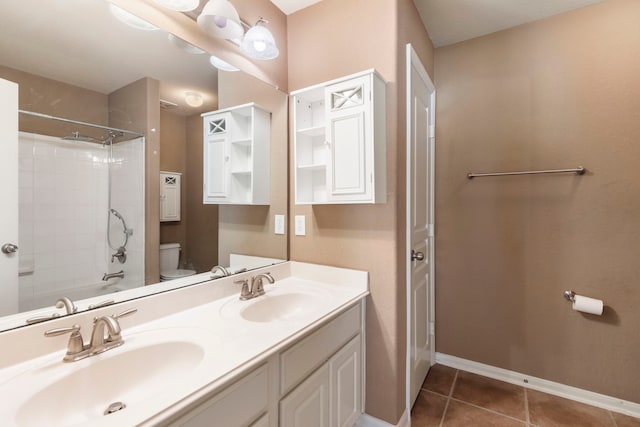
[71,48]
[452,21]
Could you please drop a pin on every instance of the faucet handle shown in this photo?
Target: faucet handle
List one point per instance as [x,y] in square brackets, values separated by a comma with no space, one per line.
[101,304]
[245,293]
[76,343]
[125,313]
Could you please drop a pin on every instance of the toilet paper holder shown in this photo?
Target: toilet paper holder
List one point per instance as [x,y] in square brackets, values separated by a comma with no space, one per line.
[570,296]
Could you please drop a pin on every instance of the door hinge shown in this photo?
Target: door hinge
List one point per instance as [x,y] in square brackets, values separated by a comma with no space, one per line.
[432,328]
[431,231]
[432,131]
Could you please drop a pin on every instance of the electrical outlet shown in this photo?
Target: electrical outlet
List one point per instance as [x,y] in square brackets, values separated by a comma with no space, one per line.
[300,226]
[279,224]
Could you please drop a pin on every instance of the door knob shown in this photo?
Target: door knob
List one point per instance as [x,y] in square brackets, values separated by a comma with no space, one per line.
[9,248]
[416,256]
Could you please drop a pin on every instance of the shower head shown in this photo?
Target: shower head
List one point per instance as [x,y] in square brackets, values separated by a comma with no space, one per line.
[77,136]
[117,214]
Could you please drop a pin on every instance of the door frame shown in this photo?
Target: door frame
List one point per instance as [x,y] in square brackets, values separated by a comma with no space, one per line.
[413,61]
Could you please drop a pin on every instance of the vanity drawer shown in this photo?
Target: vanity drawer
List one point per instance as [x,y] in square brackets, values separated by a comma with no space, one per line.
[301,359]
[238,405]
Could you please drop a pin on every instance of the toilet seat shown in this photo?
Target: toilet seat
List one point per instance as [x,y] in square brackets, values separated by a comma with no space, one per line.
[176,274]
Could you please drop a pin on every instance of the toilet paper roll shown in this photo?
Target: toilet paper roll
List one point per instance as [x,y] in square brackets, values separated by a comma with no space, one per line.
[588,305]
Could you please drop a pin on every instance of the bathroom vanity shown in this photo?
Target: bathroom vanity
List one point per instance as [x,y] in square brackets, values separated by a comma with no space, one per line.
[199,356]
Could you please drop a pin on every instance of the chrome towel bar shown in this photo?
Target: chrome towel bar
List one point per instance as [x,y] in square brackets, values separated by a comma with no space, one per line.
[578,171]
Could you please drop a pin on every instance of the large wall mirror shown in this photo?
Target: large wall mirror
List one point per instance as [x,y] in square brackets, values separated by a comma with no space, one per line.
[104,109]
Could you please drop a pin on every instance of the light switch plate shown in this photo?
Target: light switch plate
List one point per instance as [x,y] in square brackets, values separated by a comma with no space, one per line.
[301,229]
[279,224]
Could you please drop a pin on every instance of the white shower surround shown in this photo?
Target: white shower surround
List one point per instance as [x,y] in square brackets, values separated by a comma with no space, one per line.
[63,217]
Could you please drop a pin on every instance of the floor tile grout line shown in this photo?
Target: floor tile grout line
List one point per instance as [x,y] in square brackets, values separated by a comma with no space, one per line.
[613,419]
[446,405]
[526,407]
[489,410]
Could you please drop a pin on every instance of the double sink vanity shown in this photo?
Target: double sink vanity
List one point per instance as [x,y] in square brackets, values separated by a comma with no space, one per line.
[199,356]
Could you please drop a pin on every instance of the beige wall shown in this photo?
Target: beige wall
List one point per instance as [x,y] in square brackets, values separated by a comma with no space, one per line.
[55,98]
[325,43]
[202,226]
[136,107]
[249,230]
[556,93]
[173,158]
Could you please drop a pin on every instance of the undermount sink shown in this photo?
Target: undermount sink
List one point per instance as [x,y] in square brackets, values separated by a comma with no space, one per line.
[277,304]
[101,386]
[277,307]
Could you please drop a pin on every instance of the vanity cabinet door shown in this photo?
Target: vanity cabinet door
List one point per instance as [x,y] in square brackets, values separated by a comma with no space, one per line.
[308,404]
[240,405]
[345,369]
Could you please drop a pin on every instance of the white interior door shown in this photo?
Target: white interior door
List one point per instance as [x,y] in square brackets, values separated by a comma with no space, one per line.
[420,213]
[9,197]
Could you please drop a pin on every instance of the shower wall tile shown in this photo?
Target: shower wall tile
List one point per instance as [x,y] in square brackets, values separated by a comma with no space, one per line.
[63,217]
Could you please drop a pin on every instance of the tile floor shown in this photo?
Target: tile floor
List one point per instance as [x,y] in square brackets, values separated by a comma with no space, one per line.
[452,398]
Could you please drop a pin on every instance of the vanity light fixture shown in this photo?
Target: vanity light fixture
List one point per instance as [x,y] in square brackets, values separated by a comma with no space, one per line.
[193,99]
[259,43]
[222,65]
[130,19]
[220,19]
[179,5]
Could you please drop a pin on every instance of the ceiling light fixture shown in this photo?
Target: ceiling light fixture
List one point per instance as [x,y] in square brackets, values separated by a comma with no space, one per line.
[259,43]
[130,19]
[193,99]
[179,5]
[220,19]
[222,65]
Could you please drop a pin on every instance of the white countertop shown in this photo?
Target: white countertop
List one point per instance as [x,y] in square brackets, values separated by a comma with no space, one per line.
[207,313]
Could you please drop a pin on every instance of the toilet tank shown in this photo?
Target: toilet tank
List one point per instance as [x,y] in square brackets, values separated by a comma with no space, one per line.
[169,256]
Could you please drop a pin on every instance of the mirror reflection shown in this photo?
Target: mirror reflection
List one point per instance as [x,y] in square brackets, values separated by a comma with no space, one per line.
[110,183]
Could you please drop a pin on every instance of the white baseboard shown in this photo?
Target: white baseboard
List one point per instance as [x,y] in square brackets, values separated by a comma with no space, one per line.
[550,387]
[368,421]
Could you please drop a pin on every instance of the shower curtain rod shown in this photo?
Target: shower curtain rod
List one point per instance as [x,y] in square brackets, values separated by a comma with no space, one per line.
[76,122]
[578,171]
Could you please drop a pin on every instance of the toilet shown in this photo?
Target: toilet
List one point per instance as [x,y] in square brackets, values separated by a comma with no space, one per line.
[169,260]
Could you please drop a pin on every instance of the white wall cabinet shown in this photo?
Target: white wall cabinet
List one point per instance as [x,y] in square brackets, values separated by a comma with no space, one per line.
[340,141]
[237,153]
[170,196]
[316,381]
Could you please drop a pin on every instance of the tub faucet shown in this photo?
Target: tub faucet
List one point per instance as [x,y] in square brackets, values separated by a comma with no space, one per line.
[108,276]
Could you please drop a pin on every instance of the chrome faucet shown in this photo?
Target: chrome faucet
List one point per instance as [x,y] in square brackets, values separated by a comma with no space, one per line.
[108,276]
[113,339]
[67,304]
[256,289]
[222,270]
[77,349]
[256,283]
